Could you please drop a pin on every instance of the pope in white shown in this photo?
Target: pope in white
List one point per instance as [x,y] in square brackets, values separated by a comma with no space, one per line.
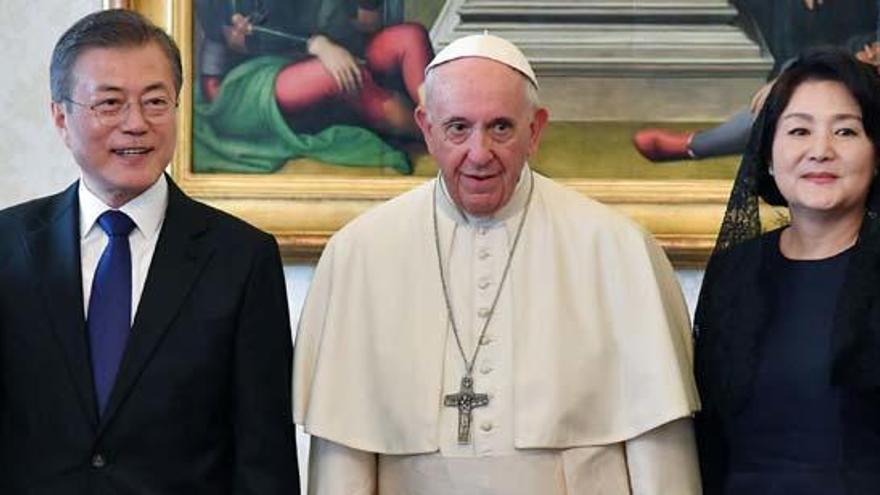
[492,332]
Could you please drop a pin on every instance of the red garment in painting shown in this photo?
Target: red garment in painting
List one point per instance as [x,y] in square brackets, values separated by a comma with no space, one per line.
[402,48]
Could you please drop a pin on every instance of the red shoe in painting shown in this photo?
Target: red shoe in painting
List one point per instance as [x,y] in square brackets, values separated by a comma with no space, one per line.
[663,145]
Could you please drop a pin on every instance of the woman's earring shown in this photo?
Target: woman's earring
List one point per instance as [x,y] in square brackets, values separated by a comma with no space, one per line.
[770,170]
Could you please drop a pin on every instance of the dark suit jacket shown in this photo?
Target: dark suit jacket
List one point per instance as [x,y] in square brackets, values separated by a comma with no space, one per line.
[736,307]
[201,403]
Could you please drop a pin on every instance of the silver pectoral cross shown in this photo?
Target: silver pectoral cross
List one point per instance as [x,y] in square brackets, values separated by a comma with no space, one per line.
[465,400]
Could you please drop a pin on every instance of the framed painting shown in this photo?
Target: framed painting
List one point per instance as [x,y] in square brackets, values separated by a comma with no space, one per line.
[632,87]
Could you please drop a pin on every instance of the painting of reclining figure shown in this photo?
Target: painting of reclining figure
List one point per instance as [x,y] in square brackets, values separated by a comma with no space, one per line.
[327,87]
[331,80]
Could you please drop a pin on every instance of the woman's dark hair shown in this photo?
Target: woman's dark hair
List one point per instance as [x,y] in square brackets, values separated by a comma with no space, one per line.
[821,64]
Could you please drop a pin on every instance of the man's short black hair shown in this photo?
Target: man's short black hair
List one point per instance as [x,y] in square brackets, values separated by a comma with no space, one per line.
[114,28]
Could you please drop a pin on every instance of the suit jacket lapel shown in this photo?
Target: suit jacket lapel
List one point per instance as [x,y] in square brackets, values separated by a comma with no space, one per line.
[54,249]
[179,257]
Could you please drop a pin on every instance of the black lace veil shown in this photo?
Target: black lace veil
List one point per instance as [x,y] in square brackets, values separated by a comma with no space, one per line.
[742,219]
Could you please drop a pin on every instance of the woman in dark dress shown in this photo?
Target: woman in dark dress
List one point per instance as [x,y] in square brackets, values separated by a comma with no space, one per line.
[788,322]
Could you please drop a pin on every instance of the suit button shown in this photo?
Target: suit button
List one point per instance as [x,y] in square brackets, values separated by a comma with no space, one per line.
[98,461]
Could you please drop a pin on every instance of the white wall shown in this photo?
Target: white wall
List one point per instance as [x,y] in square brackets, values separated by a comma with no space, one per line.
[34,161]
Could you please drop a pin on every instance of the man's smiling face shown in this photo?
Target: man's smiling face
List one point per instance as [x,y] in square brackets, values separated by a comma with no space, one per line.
[119,161]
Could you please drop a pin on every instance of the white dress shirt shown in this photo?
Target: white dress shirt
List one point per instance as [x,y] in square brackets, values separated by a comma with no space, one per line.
[147,211]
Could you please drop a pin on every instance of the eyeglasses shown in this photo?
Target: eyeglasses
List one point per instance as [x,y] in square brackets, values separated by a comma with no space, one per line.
[112,111]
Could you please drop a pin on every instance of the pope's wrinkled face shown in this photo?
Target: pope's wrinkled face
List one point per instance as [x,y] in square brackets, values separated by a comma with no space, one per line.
[480,127]
[823,160]
[122,127]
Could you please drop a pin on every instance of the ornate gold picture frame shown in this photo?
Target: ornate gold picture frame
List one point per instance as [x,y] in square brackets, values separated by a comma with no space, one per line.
[304,211]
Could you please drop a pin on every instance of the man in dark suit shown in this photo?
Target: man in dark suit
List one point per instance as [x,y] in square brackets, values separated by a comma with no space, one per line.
[144,337]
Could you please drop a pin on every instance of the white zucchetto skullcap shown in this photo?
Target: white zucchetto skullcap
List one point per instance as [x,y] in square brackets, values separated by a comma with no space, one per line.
[485,46]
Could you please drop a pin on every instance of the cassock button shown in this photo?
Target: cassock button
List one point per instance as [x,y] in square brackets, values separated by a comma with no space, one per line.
[483,230]
[486,340]
[483,312]
[484,284]
[98,461]
[486,369]
[483,254]
[486,426]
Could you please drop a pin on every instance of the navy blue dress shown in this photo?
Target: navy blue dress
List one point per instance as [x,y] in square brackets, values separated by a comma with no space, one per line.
[788,438]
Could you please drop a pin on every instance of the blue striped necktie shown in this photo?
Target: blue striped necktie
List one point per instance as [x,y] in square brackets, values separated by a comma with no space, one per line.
[109,315]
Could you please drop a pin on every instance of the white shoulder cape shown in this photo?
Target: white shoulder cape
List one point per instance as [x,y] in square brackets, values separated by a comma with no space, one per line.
[602,345]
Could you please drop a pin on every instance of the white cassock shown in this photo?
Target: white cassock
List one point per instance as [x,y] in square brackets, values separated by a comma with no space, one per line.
[586,360]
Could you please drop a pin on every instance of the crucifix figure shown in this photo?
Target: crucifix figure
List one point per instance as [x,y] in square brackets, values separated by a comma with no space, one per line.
[465,400]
